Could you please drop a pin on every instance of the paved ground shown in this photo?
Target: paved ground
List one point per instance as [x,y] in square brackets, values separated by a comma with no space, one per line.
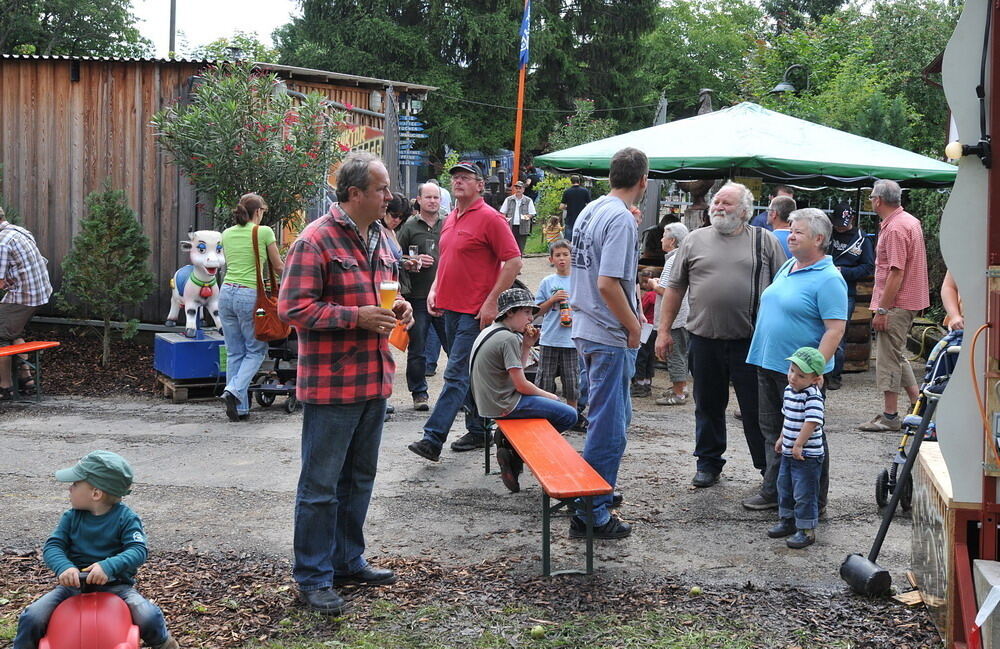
[213,485]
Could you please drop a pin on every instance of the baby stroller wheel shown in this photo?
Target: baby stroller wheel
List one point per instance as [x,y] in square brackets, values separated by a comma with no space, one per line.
[882,488]
[906,498]
[291,403]
[265,398]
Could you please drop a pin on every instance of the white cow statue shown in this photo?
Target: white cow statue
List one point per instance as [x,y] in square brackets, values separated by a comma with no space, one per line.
[196,285]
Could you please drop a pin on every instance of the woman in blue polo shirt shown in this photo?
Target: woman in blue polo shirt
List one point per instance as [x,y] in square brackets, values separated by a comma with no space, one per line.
[805,306]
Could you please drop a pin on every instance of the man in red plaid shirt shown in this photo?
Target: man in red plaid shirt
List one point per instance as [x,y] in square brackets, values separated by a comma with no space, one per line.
[330,294]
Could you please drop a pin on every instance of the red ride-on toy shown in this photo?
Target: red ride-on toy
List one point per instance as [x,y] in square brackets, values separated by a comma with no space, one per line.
[91,621]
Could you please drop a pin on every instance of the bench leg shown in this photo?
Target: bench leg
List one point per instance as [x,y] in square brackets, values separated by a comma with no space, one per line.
[38,375]
[588,503]
[546,537]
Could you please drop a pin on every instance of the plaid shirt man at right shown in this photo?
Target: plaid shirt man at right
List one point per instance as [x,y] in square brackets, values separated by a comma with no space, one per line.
[25,277]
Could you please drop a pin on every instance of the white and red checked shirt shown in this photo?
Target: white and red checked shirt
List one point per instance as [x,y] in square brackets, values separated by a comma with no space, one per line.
[22,268]
[901,245]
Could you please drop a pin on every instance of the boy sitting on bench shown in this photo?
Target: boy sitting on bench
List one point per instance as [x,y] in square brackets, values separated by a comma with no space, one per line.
[498,384]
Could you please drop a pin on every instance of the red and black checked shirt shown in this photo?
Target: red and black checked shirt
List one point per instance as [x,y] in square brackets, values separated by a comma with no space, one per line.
[328,276]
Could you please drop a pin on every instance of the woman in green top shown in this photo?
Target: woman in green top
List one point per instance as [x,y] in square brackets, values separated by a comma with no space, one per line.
[238,300]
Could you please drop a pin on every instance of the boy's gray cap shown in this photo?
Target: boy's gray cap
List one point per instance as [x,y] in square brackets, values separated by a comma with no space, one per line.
[105,470]
[514,298]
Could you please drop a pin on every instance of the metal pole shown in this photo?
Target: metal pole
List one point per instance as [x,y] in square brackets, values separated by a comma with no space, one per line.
[173,27]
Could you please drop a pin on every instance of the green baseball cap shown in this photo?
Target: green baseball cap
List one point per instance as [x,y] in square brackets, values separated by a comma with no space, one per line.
[809,359]
[105,470]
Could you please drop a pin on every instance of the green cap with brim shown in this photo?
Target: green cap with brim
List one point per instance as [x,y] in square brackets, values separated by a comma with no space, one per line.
[809,359]
[107,471]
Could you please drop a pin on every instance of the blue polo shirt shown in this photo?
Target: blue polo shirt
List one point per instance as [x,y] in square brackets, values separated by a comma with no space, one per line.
[792,311]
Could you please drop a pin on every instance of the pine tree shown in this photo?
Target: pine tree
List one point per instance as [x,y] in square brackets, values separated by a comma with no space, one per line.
[106,270]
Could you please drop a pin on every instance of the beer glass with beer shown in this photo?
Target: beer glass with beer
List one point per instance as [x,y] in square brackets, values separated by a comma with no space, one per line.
[387,291]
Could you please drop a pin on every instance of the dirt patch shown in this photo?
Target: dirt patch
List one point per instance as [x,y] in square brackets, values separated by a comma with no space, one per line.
[227,601]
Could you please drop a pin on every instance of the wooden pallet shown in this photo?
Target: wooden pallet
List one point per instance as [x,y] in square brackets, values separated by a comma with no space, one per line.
[182,390]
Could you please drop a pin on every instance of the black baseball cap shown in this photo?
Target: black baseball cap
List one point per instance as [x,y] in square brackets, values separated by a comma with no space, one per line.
[467,166]
[842,215]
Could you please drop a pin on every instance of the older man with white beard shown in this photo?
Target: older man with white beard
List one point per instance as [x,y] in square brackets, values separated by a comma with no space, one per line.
[723,269]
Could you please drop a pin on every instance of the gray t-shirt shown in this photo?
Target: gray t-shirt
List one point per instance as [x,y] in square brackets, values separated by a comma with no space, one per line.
[724,276]
[605,242]
[492,386]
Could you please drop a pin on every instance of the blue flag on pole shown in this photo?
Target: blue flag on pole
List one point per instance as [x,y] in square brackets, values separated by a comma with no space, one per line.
[525,35]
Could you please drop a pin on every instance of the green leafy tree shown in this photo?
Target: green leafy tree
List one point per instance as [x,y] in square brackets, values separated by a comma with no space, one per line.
[106,270]
[586,48]
[796,14]
[581,127]
[240,135]
[240,46]
[71,27]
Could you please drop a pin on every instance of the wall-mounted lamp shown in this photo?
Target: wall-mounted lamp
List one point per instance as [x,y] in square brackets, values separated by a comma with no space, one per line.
[375,101]
[956,150]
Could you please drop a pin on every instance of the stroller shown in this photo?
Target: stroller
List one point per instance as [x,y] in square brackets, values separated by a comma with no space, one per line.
[278,374]
[940,365]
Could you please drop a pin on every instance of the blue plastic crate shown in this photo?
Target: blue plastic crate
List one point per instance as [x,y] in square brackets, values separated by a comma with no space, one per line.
[180,357]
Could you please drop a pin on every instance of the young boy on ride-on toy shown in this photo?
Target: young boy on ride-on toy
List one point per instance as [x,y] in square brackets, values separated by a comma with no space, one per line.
[102,536]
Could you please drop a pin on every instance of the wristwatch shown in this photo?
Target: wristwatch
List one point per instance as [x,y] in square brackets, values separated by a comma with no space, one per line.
[881,311]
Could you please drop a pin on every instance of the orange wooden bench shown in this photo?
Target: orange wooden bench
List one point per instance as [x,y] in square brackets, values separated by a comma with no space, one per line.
[35,348]
[562,473]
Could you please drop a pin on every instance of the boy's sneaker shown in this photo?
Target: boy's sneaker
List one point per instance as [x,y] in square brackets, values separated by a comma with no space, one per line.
[426,450]
[759,503]
[581,424]
[169,643]
[784,527]
[468,442]
[508,469]
[672,399]
[420,403]
[615,528]
[801,539]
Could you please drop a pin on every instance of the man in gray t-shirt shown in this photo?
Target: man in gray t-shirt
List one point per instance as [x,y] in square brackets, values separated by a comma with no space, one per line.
[606,324]
[722,269]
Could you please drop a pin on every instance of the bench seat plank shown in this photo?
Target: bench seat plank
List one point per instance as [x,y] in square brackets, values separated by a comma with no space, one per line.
[26,348]
[557,466]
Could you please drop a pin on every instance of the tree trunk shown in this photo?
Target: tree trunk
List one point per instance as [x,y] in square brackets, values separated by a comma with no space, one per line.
[106,357]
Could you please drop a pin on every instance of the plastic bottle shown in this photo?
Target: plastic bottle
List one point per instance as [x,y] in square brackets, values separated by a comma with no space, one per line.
[565,314]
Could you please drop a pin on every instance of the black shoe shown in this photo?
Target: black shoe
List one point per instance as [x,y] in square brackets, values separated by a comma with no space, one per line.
[231,404]
[801,539]
[468,442]
[325,600]
[615,528]
[834,383]
[367,576]
[425,449]
[390,409]
[759,503]
[617,499]
[704,479]
[781,529]
[508,474]
[581,424]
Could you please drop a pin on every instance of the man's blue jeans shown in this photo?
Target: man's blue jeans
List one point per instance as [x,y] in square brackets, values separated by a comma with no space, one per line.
[244,353]
[581,403]
[416,357]
[340,446]
[610,371]
[460,331]
[529,406]
[432,348]
[34,621]
[798,490]
[714,363]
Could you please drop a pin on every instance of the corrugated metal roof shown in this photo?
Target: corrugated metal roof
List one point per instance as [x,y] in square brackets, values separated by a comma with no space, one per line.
[284,70]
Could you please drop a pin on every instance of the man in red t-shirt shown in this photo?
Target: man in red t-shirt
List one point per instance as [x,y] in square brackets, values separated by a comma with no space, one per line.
[479,259]
[901,291]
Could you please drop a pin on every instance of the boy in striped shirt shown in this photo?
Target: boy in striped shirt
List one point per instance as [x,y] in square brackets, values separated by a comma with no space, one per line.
[801,448]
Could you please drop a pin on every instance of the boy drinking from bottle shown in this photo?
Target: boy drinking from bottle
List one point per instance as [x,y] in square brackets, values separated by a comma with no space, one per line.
[558,353]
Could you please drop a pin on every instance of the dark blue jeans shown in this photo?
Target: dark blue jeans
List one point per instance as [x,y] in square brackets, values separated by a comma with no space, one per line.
[529,406]
[432,349]
[713,364]
[460,331]
[838,356]
[416,357]
[340,446]
[34,621]
[798,490]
